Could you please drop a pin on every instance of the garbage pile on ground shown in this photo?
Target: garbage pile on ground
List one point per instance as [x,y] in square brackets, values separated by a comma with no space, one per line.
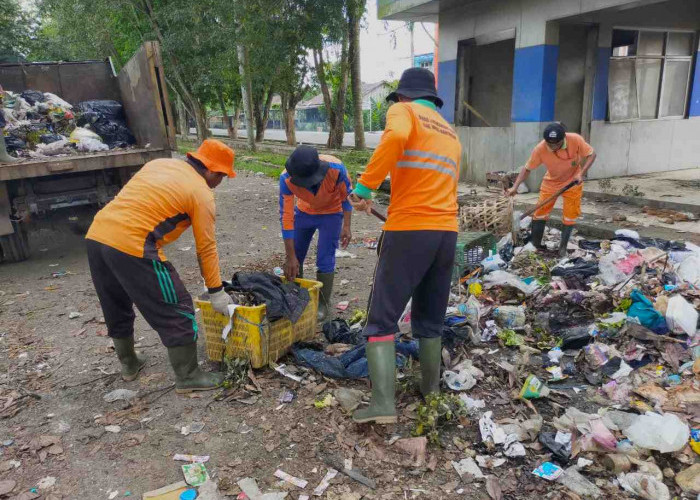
[41,124]
[582,371]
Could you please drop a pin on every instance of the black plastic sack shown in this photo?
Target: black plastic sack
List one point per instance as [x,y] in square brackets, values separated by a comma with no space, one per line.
[580,269]
[506,252]
[33,96]
[14,143]
[575,338]
[114,134]
[111,110]
[2,119]
[589,244]
[50,138]
[560,452]
[338,332]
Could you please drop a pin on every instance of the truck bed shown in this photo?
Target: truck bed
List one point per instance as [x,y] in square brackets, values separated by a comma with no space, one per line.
[79,163]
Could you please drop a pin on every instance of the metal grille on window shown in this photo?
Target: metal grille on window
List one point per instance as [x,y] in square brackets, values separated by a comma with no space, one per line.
[649,74]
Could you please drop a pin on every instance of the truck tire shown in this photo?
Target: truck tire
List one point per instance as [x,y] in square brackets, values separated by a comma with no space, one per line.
[15,247]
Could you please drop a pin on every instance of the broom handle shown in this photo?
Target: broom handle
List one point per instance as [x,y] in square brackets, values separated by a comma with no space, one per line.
[532,210]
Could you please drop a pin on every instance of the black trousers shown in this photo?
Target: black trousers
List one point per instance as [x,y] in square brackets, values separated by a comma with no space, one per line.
[417,265]
[122,280]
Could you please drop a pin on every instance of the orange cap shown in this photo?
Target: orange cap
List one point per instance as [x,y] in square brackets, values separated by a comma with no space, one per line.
[216,156]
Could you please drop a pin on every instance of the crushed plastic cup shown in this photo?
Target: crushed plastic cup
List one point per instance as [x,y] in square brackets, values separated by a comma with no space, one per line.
[534,388]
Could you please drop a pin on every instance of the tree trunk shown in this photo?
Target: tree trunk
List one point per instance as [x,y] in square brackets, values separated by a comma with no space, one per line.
[288,112]
[246,91]
[200,117]
[337,132]
[236,118]
[264,118]
[182,117]
[224,115]
[355,12]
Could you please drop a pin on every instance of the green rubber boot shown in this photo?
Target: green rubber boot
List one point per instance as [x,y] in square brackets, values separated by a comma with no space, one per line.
[381,358]
[301,271]
[537,232]
[188,376]
[324,300]
[430,358]
[131,362]
[4,155]
[565,235]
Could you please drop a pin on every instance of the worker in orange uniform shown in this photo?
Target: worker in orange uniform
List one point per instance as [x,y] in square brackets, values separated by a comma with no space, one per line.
[416,252]
[567,157]
[320,185]
[127,264]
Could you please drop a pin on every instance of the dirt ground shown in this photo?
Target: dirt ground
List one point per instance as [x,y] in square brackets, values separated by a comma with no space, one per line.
[60,369]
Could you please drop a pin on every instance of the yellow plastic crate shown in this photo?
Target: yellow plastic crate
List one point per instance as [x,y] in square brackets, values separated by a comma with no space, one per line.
[253,337]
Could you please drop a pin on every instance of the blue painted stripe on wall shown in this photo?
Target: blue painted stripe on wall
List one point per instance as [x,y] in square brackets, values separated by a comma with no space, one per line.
[535,83]
[447,87]
[600,86]
[695,93]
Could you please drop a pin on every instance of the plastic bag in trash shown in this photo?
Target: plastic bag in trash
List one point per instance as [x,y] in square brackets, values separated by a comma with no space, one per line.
[14,143]
[501,278]
[643,311]
[81,133]
[90,145]
[338,332]
[644,486]
[561,450]
[49,138]
[609,273]
[56,101]
[54,148]
[113,133]
[681,316]
[665,433]
[33,96]
[576,267]
[689,270]
[112,110]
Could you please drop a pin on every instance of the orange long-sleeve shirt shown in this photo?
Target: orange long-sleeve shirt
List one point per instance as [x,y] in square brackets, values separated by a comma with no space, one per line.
[154,208]
[330,198]
[422,154]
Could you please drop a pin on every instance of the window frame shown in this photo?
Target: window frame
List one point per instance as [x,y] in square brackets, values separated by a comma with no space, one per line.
[663,58]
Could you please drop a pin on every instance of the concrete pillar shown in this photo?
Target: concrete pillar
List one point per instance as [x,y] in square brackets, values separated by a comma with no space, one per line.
[535,78]
[695,90]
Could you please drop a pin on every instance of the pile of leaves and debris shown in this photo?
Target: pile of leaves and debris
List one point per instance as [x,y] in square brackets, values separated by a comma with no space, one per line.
[41,124]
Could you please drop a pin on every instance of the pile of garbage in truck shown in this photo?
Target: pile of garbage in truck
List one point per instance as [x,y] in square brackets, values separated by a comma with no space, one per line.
[41,124]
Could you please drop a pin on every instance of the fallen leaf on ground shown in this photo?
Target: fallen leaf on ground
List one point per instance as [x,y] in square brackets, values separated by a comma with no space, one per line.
[493,488]
[415,448]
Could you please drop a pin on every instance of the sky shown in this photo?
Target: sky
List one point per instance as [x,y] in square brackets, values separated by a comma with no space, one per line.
[379,59]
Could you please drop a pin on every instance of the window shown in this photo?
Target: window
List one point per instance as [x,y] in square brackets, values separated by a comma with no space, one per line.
[649,74]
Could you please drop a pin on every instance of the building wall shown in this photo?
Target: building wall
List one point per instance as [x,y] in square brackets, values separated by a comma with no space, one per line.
[624,148]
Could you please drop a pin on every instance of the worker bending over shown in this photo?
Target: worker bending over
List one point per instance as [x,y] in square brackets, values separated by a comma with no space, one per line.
[567,157]
[417,248]
[128,266]
[321,186]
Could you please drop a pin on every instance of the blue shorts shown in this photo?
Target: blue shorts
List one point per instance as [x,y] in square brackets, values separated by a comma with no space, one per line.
[329,227]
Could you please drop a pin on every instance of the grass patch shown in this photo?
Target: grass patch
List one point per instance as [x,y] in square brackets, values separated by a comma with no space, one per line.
[272,164]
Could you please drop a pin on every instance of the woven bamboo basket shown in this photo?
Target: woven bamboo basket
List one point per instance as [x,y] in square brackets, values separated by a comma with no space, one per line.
[494,215]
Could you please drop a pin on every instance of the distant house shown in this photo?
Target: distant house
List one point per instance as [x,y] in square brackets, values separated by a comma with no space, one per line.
[311,115]
[424,61]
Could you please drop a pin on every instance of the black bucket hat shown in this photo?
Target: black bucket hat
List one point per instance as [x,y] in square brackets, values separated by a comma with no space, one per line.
[554,133]
[305,168]
[416,83]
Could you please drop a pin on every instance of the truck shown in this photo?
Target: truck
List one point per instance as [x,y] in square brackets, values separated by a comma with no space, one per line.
[33,189]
